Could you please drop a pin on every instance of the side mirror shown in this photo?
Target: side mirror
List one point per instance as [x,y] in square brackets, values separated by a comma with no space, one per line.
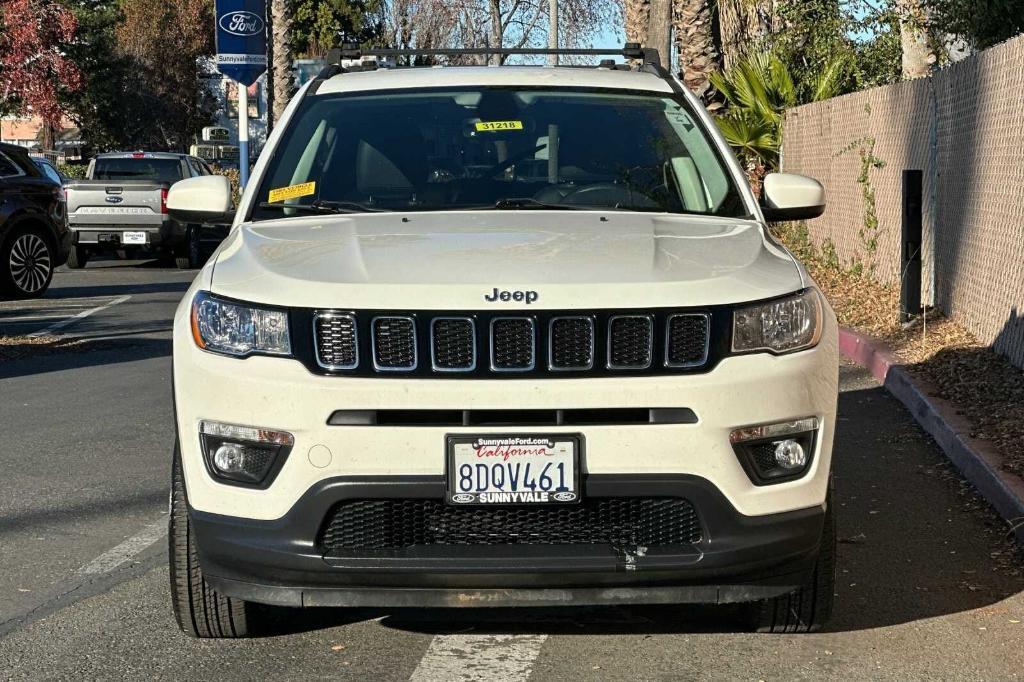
[786,196]
[203,199]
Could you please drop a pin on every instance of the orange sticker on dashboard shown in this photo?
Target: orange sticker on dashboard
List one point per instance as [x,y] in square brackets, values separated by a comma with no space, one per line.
[495,126]
[292,192]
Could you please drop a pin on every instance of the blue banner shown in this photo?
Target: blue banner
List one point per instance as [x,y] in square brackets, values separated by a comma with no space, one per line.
[242,39]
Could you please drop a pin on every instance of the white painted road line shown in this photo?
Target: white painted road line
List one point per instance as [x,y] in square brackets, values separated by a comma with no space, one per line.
[468,658]
[77,318]
[134,545]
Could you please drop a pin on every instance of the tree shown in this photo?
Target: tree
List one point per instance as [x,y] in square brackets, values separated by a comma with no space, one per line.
[635,14]
[980,24]
[696,41]
[744,26]
[320,25]
[917,56]
[659,28]
[165,46]
[491,23]
[33,66]
[282,56]
[759,89]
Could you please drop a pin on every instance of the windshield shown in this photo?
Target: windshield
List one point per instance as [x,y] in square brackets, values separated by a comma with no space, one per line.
[495,148]
[157,170]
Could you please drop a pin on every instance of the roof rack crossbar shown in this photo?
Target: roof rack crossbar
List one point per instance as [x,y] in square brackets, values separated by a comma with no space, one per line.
[648,55]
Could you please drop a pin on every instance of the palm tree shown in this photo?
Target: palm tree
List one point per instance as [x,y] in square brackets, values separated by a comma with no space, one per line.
[696,42]
[759,89]
[281,45]
[635,19]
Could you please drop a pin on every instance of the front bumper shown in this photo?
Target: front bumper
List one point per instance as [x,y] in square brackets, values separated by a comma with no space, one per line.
[739,558]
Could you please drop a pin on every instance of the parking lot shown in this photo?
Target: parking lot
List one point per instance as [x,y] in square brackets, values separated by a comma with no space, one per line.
[929,586]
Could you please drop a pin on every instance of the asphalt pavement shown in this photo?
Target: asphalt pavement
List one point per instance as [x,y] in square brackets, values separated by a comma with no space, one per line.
[930,586]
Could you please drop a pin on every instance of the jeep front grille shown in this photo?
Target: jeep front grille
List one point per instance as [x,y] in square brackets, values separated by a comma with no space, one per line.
[336,344]
[554,343]
[513,344]
[394,343]
[630,342]
[453,344]
[572,343]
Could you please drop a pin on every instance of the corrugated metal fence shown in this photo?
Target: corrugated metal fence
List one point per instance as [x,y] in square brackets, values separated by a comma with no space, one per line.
[964,128]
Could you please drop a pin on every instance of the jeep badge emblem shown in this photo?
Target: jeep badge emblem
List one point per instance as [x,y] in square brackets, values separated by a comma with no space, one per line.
[505,296]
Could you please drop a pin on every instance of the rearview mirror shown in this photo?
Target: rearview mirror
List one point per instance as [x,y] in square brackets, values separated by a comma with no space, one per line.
[204,199]
[787,196]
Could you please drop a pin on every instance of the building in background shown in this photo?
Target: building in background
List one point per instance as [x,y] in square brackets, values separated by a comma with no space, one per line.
[27,131]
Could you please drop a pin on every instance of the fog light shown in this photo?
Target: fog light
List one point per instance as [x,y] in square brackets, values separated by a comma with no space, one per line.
[790,454]
[230,458]
[244,455]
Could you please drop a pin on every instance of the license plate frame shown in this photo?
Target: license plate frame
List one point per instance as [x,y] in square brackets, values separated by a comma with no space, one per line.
[454,496]
[135,238]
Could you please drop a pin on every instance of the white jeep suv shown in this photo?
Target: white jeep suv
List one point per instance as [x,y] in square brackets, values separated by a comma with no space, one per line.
[501,336]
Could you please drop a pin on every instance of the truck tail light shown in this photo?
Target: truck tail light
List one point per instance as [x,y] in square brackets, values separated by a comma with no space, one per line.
[163,200]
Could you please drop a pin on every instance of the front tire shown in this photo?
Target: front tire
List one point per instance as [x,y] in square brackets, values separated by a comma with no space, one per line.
[189,259]
[27,261]
[201,611]
[77,258]
[809,607]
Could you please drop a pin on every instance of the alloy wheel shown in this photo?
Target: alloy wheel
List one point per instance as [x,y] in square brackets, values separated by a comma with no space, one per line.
[30,263]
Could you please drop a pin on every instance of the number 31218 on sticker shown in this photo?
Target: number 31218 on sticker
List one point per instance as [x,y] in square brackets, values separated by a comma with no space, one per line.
[494,126]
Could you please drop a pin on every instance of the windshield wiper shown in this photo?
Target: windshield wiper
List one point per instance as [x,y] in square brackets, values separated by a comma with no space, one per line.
[321,206]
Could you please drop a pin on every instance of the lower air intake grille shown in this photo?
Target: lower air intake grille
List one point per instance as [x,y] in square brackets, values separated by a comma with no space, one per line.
[394,343]
[336,340]
[611,521]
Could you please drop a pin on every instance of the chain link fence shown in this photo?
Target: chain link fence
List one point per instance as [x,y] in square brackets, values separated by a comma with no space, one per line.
[964,128]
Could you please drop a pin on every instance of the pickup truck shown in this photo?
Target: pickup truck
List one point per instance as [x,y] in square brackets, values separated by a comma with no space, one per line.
[122,205]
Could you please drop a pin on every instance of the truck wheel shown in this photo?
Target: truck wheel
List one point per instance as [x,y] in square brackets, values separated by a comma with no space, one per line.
[200,610]
[189,258]
[808,608]
[77,258]
[26,263]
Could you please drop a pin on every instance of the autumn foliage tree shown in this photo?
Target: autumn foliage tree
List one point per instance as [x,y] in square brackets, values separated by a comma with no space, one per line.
[166,42]
[33,65]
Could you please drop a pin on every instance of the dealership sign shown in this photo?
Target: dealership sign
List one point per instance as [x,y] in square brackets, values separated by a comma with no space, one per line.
[242,39]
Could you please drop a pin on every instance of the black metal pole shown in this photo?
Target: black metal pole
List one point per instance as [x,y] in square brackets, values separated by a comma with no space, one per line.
[912,242]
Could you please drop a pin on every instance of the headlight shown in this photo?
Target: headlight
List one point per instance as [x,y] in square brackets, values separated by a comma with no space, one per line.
[238,328]
[780,326]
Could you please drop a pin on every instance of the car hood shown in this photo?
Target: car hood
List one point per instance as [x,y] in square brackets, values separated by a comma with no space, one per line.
[456,260]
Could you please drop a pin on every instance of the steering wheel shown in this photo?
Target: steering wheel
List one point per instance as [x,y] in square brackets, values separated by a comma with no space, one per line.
[608,194]
[508,163]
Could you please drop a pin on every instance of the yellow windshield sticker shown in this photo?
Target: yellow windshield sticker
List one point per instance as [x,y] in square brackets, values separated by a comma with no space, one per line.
[493,126]
[293,192]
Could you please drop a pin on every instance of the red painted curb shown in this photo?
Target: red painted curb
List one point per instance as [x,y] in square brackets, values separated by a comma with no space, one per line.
[866,352]
[977,460]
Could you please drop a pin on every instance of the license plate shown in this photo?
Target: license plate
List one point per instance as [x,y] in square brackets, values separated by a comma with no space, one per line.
[520,469]
[133,238]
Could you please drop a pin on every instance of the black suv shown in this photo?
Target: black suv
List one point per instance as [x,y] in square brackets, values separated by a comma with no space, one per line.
[33,237]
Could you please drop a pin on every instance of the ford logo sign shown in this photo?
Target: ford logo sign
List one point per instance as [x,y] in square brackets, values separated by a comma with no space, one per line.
[114,200]
[564,497]
[241,23]
[462,498]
